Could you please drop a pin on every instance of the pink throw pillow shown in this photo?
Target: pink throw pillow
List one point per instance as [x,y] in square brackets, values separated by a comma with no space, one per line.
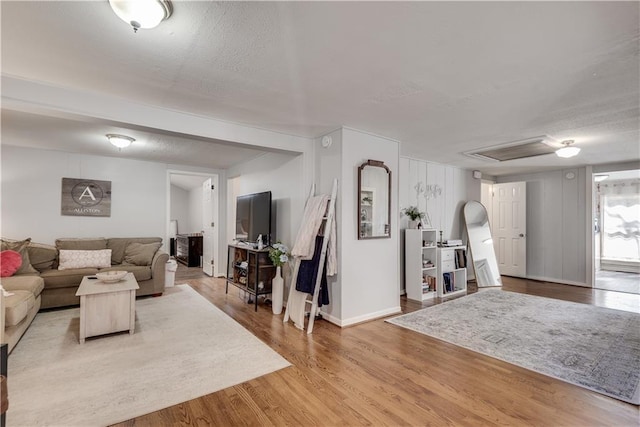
[10,262]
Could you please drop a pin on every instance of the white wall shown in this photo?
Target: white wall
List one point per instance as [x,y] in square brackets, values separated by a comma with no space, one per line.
[457,186]
[445,210]
[556,222]
[186,207]
[31,186]
[195,210]
[179,210]
[370,268]
[282,174]
[366,286]
[328,166]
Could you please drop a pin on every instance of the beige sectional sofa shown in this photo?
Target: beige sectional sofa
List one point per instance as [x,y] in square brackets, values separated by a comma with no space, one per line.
[19,308]
[44,285]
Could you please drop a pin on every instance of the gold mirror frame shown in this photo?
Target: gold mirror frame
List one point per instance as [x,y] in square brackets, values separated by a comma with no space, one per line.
[374,222]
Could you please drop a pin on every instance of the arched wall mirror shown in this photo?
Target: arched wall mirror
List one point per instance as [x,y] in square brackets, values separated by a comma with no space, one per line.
[483,255]
[374,200]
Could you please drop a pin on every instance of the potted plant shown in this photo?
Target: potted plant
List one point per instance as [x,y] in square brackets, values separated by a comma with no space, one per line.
[414,215]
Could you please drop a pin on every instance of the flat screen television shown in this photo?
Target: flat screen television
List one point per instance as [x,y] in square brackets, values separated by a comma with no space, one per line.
[253,217]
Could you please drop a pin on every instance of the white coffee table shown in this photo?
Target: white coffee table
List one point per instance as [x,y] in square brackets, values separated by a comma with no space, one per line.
[107,307]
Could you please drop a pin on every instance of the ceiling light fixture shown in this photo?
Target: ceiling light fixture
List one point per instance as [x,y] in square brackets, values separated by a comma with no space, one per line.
[599,178]
[567,151]
[142,13]
[120,141]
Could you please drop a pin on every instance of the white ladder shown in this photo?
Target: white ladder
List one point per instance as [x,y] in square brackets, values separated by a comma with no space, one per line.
[328,221]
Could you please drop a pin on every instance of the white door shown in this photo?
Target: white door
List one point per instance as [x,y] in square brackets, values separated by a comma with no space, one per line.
[209,225]
[509,227]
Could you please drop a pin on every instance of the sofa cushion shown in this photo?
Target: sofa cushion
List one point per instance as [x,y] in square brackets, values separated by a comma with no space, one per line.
[70,259]
[19,246]
[118,245]
[66,278]
[91,244]
[33,284]
[42,257]
[10,262]
[140,272]
[140,253]
[17,307]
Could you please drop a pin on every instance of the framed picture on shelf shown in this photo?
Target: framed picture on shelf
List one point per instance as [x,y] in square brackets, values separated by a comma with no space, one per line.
[426,221]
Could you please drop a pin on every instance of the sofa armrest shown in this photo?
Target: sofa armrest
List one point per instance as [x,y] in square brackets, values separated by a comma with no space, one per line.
[2,309]
[158,265]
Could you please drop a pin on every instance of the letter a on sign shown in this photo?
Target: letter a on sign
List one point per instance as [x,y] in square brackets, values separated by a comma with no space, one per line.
[87,193]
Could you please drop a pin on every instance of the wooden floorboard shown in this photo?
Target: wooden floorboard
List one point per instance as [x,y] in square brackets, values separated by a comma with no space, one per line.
[376,373]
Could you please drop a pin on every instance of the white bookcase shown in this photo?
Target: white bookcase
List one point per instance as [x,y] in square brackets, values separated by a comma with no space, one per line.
[457,277]
[420,263]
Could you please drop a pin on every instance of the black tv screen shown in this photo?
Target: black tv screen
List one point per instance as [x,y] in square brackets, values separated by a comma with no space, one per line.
[253,217]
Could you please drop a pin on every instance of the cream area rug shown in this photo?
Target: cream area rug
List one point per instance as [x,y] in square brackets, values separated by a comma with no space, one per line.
[592,347]
[183,347]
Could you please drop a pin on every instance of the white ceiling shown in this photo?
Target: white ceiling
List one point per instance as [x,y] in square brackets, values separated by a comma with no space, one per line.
[441,77]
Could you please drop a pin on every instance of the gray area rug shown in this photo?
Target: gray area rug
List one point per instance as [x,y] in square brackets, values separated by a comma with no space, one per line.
[592,347]
[183,347]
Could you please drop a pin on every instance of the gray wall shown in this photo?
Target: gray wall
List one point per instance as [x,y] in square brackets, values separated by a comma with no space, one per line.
[556,224]
[559,232]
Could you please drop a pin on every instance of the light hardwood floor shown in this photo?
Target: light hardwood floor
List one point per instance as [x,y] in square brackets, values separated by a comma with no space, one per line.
[379,374]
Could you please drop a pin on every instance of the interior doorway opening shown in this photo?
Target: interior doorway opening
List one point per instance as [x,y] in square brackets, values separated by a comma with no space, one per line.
[193,220]
[616,228]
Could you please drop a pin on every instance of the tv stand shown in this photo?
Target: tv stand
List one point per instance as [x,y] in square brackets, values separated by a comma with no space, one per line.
[251,270]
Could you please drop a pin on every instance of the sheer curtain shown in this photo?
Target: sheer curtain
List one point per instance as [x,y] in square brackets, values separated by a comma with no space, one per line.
[620,203]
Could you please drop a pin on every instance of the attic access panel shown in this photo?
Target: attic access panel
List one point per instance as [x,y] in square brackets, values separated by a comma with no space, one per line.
[515,150]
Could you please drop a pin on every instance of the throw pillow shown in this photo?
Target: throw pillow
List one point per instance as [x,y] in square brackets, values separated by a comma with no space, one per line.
[10,262]
[19,246]
[42,257]
[140,253]
[84,259]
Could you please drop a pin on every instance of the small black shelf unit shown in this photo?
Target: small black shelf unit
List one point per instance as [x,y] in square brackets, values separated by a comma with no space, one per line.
[250,270]
[189,249]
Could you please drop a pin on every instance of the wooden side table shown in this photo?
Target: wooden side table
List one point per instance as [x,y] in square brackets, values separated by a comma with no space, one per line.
[107,307]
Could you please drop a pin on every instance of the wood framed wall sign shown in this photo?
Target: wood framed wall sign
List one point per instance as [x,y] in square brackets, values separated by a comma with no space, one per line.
[86,197]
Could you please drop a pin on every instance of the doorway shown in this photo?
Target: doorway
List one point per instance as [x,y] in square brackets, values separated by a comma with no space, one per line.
[616,231]
[193,215]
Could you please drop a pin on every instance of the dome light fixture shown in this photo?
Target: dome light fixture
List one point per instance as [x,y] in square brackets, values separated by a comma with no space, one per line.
[120,141]
[144,14]
[567,151]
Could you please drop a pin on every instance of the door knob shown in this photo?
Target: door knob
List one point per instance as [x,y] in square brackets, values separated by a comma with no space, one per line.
[521,235]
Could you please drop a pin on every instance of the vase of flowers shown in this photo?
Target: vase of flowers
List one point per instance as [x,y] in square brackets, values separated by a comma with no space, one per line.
[414,215]
[279,255]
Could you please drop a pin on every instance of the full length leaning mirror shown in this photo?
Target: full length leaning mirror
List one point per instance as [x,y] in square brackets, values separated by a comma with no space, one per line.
[483,255]
[374,200]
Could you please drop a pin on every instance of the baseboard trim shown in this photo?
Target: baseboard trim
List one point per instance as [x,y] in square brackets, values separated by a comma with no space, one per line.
[361,319]
[554,280]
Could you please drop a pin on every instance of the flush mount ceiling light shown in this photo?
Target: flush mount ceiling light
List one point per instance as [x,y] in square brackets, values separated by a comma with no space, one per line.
[142,13]
[120,141]
[599,178]
[567,151]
